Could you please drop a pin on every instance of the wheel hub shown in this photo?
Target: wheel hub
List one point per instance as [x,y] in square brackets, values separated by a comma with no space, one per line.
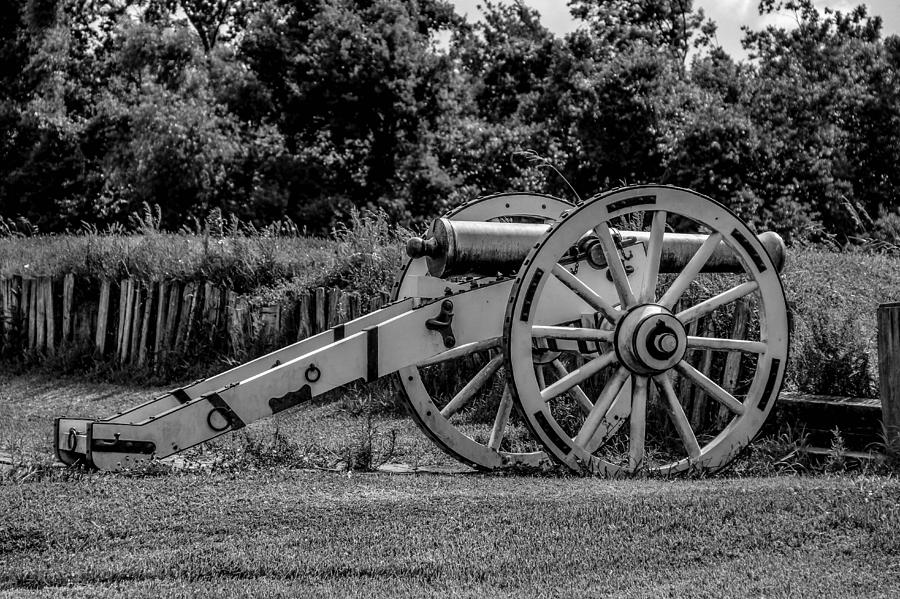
[649,339]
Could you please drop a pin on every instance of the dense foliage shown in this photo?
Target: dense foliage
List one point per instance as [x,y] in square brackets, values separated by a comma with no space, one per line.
[266,109]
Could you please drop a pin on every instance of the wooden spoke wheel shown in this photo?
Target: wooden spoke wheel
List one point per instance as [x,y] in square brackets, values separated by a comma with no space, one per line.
[461,399]
[704,353]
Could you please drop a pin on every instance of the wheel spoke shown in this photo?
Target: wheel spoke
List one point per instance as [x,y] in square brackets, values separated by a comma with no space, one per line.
[616,268]
[501,419]
[753,347]
[460,351]
[654,255]
[679,419]
[542,332]
[578,375]
[712,389]
[586,293]
[637,423]
[539,375]
[690,272]
[580,396]
[712,304]
[472,387]
[598,412]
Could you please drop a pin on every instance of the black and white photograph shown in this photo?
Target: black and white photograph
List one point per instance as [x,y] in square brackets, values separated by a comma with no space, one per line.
[450,298]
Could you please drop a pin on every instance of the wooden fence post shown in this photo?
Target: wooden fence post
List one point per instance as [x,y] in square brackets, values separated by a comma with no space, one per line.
[889,371]
[102,317]
[186,320]
[162,304]
[5,318]
[49,315]
[320,310]
[137,304]
[40,300]
[699,404]
[237,330]
[122,321]
[67,312]
[731,375]
[143,345]
[685,387]
[31,306]
[332,301]
[304,325]
[172,315]
[344,308]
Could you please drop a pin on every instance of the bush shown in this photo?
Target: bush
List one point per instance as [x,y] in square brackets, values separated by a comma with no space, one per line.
[833,298]
[834,359]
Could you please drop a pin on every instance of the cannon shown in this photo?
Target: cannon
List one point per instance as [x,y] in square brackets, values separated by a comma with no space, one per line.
[526,331]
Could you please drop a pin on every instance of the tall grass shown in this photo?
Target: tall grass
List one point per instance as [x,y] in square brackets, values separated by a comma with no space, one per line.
[224,251]
[363,254]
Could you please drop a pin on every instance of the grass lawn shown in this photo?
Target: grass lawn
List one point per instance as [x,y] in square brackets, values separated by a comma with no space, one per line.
[260,531]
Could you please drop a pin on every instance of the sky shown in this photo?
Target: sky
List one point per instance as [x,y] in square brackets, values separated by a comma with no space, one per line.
[730,15]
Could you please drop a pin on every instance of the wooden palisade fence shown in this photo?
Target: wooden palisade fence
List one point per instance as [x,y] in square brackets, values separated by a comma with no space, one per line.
[151,324]
[147,323]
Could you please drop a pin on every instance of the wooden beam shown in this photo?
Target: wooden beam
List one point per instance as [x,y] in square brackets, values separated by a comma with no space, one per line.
[889,371]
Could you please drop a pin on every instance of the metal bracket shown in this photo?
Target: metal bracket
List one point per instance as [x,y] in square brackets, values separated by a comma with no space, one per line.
[117,445]
[442,323]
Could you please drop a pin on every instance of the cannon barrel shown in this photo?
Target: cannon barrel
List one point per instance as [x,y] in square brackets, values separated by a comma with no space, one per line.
[487,248]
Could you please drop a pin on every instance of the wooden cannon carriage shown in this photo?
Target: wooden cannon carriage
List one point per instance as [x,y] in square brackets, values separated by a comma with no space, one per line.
[579,316]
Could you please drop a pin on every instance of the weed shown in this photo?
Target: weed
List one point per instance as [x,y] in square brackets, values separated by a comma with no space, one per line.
[252,451]
[368,446]
[782,452]
[836,460]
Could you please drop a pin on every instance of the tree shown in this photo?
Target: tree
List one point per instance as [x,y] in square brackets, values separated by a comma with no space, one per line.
[668,26]
[212,20]
[826,101]
[507,57]
[355,86]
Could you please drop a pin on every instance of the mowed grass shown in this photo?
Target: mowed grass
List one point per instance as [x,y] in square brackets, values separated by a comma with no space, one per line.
[259,528]
[293,534]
